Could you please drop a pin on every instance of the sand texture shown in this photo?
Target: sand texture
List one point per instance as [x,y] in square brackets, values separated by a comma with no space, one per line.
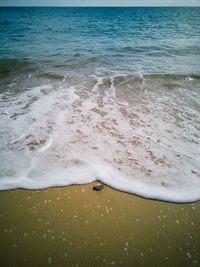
[76,226]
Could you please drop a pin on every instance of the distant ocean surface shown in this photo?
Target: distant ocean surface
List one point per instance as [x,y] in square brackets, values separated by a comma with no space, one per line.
[109,94]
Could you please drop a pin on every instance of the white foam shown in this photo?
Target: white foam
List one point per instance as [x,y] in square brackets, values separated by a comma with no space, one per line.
[142,142]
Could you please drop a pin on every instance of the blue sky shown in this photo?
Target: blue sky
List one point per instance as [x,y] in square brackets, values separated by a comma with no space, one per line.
[99,2]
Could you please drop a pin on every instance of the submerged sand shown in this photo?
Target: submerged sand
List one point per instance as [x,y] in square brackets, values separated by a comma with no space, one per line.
[76,226]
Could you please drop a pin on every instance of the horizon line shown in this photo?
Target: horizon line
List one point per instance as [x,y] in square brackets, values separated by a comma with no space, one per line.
[94,6]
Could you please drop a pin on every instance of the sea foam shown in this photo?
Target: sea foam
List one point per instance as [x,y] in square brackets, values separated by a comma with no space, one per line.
[141,141]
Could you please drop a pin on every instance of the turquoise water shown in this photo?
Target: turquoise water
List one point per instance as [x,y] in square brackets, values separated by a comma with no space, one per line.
[101,93]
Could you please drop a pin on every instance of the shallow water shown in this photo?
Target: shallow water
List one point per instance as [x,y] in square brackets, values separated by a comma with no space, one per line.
[101,93]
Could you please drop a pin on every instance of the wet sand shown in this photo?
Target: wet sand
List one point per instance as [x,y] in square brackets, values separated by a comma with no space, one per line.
[77,226]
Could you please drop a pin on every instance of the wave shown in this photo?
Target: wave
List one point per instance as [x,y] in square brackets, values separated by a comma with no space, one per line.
[138,141]
[170,79]
[171,76]
[51,75]
[166,80]
[188,50]
[10,66]
[162,50]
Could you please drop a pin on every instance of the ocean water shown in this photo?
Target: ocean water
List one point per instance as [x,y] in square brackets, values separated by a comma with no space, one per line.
[108,94]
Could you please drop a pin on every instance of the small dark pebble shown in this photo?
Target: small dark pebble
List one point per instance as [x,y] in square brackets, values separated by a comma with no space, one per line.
[98,187]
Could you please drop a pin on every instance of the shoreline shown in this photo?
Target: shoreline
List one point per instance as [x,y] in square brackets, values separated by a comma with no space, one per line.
[77,226]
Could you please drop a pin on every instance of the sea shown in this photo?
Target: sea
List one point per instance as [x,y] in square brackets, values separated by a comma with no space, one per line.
[101,93]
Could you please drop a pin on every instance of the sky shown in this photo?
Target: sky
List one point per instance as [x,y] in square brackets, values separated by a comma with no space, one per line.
[99,2]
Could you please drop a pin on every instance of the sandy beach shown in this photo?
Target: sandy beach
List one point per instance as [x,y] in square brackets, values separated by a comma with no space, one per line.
[77,226]
[99,93]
